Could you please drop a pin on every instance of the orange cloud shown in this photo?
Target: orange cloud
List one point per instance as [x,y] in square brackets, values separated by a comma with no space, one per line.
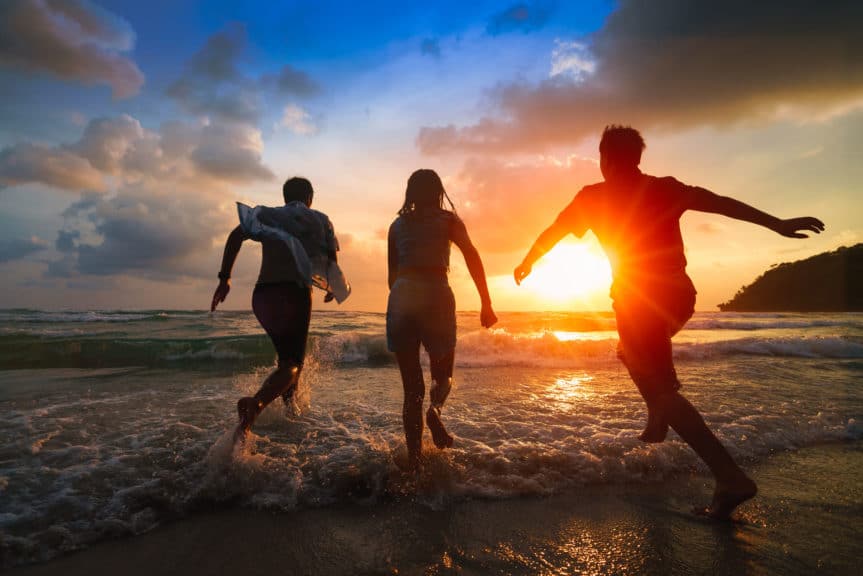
[677,64]
[72,39]
[505,206]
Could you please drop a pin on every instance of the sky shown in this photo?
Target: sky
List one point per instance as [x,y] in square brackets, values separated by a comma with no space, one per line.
[129,130]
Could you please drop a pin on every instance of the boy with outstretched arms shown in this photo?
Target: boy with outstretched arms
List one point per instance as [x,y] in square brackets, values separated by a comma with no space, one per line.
[636,218]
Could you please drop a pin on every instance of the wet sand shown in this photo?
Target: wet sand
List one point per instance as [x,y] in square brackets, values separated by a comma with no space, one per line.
[807,518]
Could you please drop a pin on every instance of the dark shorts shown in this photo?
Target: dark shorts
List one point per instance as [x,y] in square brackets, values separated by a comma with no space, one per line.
[284,311]
[421,312]
[646,326]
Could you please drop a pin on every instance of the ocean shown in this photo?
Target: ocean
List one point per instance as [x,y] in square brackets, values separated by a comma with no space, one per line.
[116,424]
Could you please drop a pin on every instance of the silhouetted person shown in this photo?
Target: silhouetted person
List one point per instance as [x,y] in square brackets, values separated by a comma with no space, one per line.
[636,219]
[421,306]
[294,239]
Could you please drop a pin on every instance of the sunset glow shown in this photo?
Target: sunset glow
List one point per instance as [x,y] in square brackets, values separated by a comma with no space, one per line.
[570,271]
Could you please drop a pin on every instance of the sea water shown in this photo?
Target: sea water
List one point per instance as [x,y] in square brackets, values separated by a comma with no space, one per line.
[114,422]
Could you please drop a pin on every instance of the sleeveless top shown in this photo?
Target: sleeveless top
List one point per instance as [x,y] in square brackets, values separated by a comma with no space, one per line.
[423,240]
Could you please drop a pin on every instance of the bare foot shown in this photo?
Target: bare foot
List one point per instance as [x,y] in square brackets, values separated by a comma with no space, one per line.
[657,427]
[440,436]
[415,463]
[248,409]
[288,395]
[728,497]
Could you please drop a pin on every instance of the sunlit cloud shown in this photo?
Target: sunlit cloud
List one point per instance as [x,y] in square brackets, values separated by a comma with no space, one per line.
[297,120]
[73,39]
[507,204]
[572,59]
[231,152]
[676,64]
[59,168]
[186,153]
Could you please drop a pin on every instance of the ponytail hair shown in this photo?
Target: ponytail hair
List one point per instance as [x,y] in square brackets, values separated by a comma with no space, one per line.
[425,191]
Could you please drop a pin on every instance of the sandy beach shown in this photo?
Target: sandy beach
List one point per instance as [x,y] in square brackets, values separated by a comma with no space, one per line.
[596,530]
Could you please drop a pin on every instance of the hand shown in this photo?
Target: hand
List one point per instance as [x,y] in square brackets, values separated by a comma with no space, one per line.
[487,317]
[329,297]
[221,293]
[791,226]
[521,272]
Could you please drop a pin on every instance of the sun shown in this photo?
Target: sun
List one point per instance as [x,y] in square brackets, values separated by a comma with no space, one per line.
[571,270]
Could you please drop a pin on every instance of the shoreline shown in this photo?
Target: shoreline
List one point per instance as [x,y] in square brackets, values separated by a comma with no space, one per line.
[792,527]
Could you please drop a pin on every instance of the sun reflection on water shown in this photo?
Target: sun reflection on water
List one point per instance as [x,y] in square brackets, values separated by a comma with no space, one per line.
[567,336]
[565,392]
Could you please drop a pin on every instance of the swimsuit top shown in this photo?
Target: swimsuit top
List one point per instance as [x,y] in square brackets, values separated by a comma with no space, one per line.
[423,240]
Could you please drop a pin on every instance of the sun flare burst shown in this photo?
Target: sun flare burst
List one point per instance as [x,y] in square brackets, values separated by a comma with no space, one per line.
[570,271]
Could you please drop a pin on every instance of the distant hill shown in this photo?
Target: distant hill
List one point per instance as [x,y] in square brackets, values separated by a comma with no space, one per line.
[828,282]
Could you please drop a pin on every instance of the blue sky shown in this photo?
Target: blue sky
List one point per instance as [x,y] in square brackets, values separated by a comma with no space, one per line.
[129,129]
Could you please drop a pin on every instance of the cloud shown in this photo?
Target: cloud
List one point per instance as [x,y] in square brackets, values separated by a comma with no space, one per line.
[297,120]
[213,84]
[106,142]
[19,248]
[231,152]
[675,64]
[140,231]
[520,17]
[291,82]
[184,154]
[72,39]
[57,167]
[572,59]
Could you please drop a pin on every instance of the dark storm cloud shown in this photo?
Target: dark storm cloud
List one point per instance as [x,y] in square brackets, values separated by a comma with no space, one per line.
[520,17]
[71,39]
[670,64]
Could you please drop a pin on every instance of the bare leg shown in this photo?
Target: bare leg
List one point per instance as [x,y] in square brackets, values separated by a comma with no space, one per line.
[412,409]
[441,369]
[288,394]
[733,486]
[248,408]
[656,428]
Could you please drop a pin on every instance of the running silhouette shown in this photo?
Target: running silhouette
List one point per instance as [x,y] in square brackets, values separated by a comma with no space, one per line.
[421,306]
[298,251]
[636,219]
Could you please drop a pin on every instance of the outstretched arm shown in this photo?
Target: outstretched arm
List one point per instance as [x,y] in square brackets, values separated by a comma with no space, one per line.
[474,265]
[707,201]
[546,241]
[232,248]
